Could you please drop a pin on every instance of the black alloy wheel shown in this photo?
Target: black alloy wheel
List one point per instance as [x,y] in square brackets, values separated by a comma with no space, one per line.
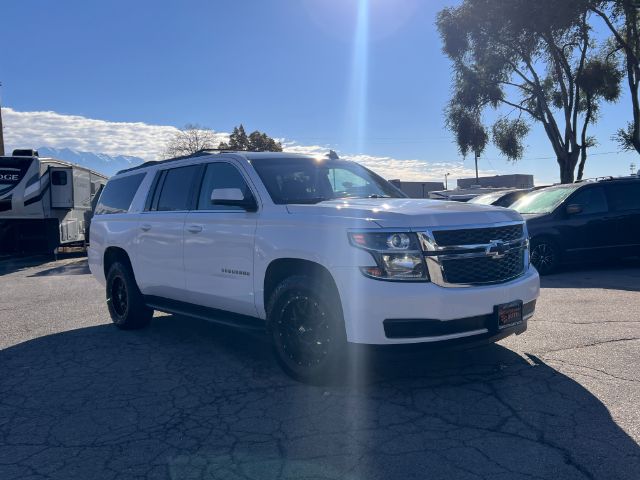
[124,299]
[303,330]
[118,296]
[306,329]
[544,256]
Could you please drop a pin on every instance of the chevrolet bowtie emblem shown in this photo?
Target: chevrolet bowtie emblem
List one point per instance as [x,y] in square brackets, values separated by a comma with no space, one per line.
[496,249]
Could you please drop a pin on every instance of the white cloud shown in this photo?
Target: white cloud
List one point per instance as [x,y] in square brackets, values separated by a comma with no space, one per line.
[51,129]
[389,167]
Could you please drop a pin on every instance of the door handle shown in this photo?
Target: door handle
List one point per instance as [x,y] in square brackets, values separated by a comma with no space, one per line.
[194,228]
[145,228]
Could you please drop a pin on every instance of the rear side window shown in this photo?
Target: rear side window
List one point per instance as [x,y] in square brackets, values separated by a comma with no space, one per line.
[592,200]
[175,188]
[118,194]
[624,196]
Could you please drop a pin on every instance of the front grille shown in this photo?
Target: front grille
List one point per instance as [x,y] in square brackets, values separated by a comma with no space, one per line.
[475,236]
[484,269]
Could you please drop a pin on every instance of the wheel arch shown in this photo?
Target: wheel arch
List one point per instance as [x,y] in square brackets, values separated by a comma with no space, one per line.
[282,268]
[112,255]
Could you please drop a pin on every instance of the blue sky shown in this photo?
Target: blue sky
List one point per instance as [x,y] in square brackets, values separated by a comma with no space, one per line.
[298,69]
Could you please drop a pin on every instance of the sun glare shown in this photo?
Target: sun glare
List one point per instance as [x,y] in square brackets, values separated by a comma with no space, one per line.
[357,114]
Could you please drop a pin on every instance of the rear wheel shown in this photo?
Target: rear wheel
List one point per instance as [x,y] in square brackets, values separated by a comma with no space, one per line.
[306,329]
[545,255]
[124,300]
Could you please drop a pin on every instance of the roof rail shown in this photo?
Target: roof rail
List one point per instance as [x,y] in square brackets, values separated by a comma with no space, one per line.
[151,163]
[595,179]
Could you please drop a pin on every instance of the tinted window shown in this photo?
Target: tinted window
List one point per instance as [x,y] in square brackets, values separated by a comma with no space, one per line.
[592,200]
[545,200]
[221,175]
[487,198]
[176,188]
[118,194]
[59,177]
[311,180]
[624,196]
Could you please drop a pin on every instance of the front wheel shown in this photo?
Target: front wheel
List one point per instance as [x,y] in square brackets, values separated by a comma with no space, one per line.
[124,300]
[306,329]
[545,255]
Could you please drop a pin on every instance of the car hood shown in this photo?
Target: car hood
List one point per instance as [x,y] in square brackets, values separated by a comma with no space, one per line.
[409,212]
[534,216]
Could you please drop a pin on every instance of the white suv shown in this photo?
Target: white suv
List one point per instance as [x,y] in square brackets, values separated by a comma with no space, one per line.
[320,251]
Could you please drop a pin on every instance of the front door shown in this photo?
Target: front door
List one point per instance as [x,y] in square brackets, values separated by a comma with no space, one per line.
[219,245]
[587,231]
[158,260]
[61,187]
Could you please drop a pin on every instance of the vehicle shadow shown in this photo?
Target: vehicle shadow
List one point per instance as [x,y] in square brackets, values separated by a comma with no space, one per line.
[619,275]
[80,267]
[13,264]
[188,399]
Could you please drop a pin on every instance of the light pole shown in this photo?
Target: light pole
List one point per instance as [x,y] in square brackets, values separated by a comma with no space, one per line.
[1,132]
[446,185]
[477,155]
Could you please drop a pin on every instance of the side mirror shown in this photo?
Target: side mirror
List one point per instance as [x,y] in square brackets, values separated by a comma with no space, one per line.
[233,197]
[574,209]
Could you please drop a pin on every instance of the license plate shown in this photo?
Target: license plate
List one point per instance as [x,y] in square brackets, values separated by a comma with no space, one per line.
[509,314]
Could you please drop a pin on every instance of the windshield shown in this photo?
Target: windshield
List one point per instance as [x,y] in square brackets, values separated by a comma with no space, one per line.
[310,180]
[487,198]
[543,201]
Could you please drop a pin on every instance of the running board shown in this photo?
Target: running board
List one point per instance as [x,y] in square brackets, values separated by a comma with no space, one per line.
[214,315]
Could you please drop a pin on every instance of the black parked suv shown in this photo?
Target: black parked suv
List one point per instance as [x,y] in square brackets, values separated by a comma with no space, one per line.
[585,221]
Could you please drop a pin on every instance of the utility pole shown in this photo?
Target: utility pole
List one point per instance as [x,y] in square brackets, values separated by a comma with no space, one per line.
[1,131]
[632,167]
[446,184]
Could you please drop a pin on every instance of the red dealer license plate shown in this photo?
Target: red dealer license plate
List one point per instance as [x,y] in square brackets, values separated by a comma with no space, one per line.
[509,314]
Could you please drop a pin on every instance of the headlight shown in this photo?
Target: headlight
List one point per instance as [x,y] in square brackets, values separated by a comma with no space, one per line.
[397,255]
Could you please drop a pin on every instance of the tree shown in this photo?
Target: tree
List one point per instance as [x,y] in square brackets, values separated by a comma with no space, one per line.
[254,142]
[622,18]
[531,58]
[470,133]
[189,140]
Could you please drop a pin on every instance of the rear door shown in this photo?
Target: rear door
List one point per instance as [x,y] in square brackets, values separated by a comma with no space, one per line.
[61,179]
[159,243]
[624,198]
[219,244]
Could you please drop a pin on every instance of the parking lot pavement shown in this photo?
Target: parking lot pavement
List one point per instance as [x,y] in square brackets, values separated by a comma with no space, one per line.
[185,399]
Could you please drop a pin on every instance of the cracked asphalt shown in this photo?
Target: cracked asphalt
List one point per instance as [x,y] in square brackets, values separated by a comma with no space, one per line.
[186,399]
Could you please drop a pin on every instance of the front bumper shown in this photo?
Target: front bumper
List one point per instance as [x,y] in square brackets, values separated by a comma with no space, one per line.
[372,303]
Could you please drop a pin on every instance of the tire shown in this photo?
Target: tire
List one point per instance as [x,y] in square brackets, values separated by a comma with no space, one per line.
[545,255]
[126,304]
[306,329]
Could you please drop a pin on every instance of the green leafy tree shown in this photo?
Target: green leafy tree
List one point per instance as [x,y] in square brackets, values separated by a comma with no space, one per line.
[470,134]
[529,59]
[254,142]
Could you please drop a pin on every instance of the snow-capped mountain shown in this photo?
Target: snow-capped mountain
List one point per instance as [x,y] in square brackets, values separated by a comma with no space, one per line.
[100,162]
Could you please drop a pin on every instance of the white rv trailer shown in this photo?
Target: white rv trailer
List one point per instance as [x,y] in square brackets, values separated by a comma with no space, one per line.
[45,203]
